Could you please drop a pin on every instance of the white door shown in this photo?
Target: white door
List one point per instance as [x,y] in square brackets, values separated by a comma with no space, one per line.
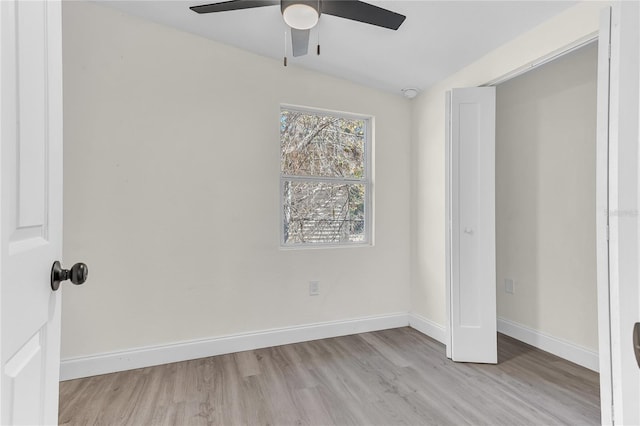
[31,209]
[471,253]
[624,208]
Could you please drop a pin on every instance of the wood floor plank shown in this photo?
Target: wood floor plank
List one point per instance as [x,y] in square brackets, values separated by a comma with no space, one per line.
[390,377]
[247,363]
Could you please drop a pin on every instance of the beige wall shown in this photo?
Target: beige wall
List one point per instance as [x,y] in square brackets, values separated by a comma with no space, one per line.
[171,191]
[428,133]
[172,198]
[545,198]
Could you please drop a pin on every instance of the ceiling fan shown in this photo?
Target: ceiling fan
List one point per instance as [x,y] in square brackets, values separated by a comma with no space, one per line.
[302,15]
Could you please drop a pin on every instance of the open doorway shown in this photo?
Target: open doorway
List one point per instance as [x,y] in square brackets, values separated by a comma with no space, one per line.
[546,206]
[545,174]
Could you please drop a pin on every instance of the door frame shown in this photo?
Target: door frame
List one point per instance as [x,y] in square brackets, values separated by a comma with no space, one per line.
[623,134]
[602,219]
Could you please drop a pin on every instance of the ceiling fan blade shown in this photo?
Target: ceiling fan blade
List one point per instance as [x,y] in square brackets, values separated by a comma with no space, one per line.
[232,5]
[363,12]
[300,41]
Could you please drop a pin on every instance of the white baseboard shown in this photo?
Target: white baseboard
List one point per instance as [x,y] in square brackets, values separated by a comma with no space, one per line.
[559,347]
[74,368]
[428,327]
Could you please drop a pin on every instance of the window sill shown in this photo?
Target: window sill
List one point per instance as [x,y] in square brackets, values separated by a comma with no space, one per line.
[324,246]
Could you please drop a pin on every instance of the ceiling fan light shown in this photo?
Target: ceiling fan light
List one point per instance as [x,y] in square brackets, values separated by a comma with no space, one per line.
[300,16]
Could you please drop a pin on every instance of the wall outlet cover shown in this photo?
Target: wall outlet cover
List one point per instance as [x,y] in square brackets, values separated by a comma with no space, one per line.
[314,288]
[509,286]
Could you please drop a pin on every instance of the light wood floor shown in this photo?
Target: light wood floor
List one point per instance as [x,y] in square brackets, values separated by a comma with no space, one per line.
[391,377]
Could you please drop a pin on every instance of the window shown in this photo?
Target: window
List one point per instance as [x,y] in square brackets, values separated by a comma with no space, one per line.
[325,178]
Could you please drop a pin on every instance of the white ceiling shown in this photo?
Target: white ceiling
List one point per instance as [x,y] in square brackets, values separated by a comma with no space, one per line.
[437,39]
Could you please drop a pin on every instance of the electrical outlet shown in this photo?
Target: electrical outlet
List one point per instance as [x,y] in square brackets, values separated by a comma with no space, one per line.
[314,288]
[509,286]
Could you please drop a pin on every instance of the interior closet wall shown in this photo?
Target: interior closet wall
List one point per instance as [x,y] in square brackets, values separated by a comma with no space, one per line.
[545,198]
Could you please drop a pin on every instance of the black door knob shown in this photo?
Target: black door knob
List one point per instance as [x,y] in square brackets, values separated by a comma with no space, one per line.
[636,342]
[77,274]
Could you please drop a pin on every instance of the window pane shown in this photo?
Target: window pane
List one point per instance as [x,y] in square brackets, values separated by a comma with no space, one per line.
[323,212]
[320,145]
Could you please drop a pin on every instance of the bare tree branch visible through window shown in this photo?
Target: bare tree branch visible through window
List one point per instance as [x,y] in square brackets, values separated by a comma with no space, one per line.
[323,168]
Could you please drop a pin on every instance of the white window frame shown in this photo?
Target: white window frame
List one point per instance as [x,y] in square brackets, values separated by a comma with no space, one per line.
[367,180]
